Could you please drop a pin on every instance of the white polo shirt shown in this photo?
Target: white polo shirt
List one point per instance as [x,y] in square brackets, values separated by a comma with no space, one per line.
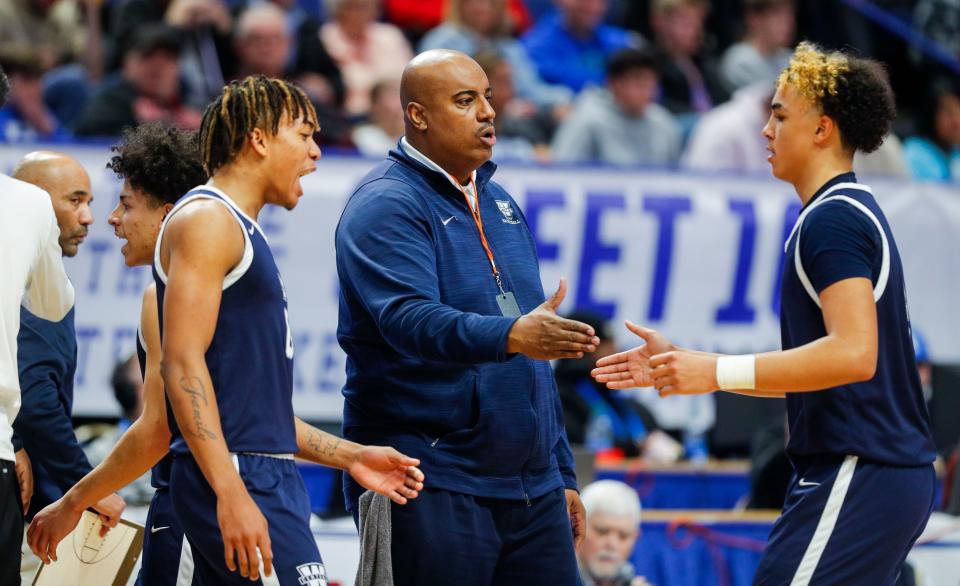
[32,273]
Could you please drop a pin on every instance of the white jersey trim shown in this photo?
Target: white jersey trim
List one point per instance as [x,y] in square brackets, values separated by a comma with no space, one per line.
[828,520]
[884,275]
[245,261]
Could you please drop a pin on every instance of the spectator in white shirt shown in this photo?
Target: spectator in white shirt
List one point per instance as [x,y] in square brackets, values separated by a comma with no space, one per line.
[33,270]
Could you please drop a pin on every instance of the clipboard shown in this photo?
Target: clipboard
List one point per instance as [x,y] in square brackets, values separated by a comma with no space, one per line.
[86,559]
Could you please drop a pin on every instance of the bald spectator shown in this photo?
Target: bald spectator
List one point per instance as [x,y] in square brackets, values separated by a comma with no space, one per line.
[571,45]
[47,351]
[367,51]
[620,124]
[613,526]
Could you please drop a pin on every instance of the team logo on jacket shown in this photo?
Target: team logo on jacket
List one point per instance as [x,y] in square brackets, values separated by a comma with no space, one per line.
[509,217]
[312,575]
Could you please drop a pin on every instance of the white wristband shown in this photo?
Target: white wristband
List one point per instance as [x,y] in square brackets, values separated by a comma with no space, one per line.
[736,372]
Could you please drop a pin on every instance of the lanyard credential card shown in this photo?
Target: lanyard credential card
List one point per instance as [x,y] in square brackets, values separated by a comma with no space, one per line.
[505,299]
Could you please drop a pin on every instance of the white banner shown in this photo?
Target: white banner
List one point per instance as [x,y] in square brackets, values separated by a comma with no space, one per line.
[695,256]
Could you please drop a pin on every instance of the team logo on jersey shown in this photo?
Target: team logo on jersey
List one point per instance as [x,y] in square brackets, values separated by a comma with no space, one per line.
[312,574]
[509,217]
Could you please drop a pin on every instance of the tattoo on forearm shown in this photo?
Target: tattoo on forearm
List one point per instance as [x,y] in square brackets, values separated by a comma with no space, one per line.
[194,387]
[325,446]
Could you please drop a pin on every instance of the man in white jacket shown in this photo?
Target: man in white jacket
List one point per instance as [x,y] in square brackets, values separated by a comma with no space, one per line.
[33,274]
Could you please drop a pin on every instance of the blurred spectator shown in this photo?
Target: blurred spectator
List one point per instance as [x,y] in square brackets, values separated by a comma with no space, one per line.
[384,125]
[765,50]
[419,16]
[571,45]
[53,29]
[690,82]
[128,391]
[148,89]
[935,152]
[523,129]
[939,21]
[367,51]
[473,26]
[595,416]
[25,117]
[621,124]
[728,138]
[263,44]
[613,527]
[204,27]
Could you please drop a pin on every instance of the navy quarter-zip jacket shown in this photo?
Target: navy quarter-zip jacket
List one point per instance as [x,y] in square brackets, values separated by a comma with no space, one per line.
[427,367]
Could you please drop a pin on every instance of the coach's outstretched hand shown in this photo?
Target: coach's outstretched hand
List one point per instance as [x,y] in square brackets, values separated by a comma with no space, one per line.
[632,368]
[544,335]
[386,471]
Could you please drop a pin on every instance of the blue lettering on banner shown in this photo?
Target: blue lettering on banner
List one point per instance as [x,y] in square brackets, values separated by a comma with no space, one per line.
[96,249]
[538,201]
[594,252]
[790,216]
[86,337]
[123,344]
[738,309]
[132,280]
[666,207]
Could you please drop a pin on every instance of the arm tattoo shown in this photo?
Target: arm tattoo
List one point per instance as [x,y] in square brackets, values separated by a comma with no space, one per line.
[194,387]
[322,446]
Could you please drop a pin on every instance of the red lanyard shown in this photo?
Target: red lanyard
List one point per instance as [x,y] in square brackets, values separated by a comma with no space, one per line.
[475,212]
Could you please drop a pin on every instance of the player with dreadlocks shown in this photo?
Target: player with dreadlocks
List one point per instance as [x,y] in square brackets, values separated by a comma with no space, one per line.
[860,442]
[158,164]
[227,362]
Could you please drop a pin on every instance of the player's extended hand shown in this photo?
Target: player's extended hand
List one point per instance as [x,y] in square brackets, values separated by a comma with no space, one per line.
[684,373]
[50,526]
[110,508]
[24,477]
[388,472]
[578,516]
[632,368]
[244,530]
[543,335]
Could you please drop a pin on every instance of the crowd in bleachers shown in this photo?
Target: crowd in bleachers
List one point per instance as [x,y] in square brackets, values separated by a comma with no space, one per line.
[622,82]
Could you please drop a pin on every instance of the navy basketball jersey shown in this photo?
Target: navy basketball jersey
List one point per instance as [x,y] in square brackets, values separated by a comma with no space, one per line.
[250,358]
[842,233]
[160,473]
